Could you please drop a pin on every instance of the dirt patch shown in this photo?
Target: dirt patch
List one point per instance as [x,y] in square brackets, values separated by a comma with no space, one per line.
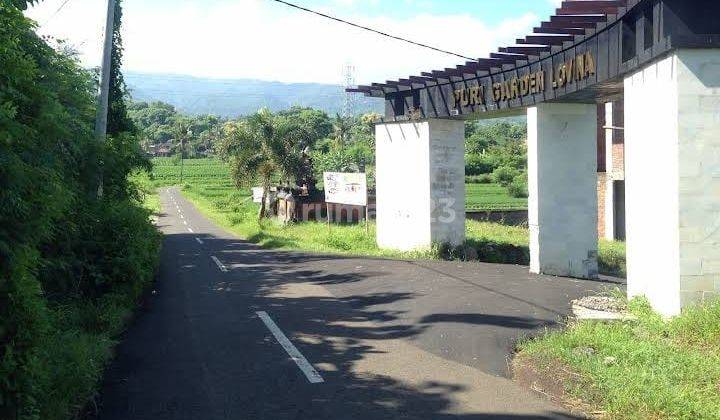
[551,379]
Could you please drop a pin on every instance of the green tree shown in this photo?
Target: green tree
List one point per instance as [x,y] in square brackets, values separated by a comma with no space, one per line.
[266,149]
[316,122]
[342,129]
[492,146]
[57,244]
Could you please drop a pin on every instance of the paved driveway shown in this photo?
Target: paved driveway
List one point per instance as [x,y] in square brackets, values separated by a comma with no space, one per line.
[237,332]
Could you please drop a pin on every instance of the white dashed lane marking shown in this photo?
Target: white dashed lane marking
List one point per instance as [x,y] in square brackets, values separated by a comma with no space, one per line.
[200,241]
[219,264]
[311,374]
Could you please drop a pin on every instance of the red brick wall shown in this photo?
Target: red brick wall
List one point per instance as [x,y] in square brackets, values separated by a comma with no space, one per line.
[618,165]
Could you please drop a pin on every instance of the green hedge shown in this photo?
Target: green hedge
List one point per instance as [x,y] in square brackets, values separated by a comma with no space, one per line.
[71,266]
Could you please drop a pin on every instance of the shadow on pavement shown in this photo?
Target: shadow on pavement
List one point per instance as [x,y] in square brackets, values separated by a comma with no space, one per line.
[199,352]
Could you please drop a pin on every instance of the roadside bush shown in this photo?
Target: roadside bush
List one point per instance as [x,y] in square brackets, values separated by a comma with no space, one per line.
[479,179]
[519,186]
[108,245]
[476,164]
[611,258]
[505,175]
[500,253]
[60,247]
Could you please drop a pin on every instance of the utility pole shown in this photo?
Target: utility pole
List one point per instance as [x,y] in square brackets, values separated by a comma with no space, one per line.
[101,118]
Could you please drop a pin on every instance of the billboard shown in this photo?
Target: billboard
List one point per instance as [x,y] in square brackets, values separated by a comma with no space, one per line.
[345,188]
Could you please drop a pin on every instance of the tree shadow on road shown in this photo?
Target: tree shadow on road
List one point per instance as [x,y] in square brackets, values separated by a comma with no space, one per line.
[224,365]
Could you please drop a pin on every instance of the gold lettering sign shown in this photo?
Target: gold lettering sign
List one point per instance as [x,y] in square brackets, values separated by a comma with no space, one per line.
[475,95]
[518,87]
[574,70]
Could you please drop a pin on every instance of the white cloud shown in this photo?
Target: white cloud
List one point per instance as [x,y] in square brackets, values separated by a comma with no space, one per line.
[259,39]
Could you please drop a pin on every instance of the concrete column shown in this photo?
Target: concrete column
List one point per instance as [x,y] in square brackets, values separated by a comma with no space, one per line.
[562,171]
[420,176]
[672,144]
[610,175]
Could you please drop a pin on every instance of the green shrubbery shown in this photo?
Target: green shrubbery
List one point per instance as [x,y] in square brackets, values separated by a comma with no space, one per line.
[518,188]
[71,266]
[505,175]
[479,179]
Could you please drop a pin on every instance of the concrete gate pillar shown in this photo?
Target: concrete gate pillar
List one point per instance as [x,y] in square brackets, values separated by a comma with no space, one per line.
[672,141]
[562,172]
[420,177]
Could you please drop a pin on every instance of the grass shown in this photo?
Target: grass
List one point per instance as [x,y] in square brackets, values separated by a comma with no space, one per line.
[234,210]
[492,197]
[644,369]
[77,350]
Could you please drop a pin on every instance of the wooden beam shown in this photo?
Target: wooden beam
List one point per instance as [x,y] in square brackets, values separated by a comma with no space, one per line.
[421,79]
[560,26]
[608,7]
[546,39]
[565,31]
[509,56]
[574,19]
[534,50]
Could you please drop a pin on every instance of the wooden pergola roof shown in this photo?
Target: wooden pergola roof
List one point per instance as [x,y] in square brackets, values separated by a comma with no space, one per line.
[580,54]
[575,18]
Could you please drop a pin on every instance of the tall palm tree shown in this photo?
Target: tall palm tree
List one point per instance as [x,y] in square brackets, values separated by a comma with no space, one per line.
[264,149]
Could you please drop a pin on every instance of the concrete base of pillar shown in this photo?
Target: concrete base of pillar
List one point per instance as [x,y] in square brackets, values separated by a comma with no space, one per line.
[562,171]
[420,177]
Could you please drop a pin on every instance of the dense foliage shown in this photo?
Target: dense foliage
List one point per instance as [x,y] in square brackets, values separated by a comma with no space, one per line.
[269,149]
[499,149]
[63,252]
[494,152]
[159,124]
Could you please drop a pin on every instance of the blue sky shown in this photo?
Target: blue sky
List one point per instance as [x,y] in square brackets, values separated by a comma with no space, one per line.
[265,40]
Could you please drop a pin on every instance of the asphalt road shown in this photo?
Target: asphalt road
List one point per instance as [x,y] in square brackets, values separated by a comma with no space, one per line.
[238,332]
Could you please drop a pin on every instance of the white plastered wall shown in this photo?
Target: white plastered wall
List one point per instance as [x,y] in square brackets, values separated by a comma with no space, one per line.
[420,177]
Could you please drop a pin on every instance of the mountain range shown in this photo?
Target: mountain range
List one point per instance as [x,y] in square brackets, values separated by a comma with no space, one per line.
[236,97]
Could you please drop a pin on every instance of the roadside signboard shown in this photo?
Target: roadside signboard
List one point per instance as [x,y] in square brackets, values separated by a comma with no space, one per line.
[257,193]
[345,188]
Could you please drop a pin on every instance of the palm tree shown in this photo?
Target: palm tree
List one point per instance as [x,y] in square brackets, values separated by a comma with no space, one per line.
[264,149]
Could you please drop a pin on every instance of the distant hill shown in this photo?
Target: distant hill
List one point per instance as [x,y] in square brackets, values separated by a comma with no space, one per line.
[232,98]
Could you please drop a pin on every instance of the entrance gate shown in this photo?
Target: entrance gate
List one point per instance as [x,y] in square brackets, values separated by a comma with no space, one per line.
[662,56]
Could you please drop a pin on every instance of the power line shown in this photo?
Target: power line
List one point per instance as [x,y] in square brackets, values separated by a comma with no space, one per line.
[372,30]
[56,12]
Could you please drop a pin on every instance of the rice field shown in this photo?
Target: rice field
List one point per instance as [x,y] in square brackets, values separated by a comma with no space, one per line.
[214,175]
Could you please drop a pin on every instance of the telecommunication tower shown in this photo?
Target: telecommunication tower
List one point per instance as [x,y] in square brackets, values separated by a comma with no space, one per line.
[349,81]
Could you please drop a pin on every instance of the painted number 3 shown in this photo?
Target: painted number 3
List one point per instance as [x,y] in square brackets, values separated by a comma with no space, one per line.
[444,211]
